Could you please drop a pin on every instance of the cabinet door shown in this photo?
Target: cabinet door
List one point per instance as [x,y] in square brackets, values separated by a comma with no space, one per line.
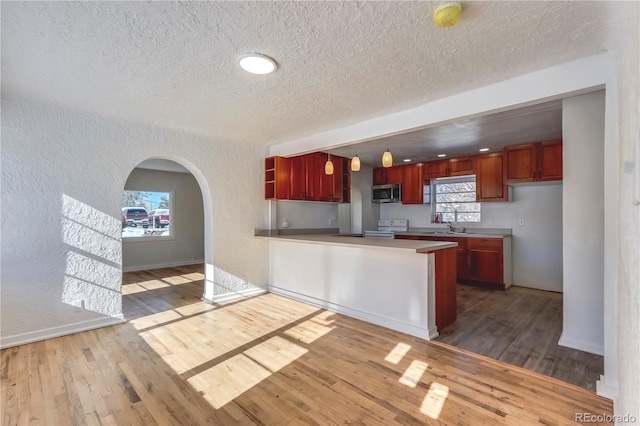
[490,185]
[379,176]
[324,181]
[337,179]
[436,169]
[394,175]
[485,259]
[550,160]
[297,178]
[461,166]
[521,163]
[412,184]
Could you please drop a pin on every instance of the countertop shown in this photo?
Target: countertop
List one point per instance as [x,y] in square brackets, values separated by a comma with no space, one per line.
[454,234]
[416,246]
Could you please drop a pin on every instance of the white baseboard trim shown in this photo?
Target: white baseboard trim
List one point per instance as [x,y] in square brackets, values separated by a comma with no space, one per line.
[389,323]
[581,345]
[162,265]
[607,390]
[62,330]
[235,295]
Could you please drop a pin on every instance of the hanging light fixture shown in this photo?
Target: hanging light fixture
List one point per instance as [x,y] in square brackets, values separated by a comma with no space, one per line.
[355,163]
[328,166]
[387,159]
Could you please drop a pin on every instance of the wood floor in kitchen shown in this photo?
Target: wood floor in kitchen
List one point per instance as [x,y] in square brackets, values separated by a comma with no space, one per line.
[265,360]
[520,326]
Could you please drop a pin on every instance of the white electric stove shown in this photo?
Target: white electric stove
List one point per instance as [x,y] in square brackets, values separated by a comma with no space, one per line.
[387,228]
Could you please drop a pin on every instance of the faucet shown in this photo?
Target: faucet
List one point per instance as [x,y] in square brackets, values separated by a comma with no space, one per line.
[450,225]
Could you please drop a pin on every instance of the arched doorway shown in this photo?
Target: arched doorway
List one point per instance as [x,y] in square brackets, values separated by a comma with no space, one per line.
[178,228]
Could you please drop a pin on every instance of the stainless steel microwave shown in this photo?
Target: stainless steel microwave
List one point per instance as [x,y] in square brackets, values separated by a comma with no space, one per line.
[386,193]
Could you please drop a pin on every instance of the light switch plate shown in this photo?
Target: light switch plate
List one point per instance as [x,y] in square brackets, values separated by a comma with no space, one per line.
[521,222]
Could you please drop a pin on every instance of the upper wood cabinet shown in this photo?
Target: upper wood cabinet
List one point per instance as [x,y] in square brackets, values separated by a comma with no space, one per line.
[462,166]
[550,160]
[387,175]
[534,162]
[308,181]
[412,183]
[490,183]
[436,169]
[276,178]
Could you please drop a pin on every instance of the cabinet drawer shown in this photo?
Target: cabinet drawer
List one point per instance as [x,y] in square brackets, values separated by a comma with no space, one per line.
[484,242]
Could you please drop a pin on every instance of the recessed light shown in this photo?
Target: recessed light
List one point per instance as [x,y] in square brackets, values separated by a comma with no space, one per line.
[257,63]
[407,160]
[442,155]
[484,149]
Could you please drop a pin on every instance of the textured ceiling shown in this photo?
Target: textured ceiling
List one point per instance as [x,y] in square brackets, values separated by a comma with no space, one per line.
[175,63]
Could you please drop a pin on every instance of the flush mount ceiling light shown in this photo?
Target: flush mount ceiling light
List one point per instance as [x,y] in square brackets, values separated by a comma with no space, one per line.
[447,15]
[407,160]
[387,159]
[257,63]
[484,149]
[328,166]
[355,163]
[442,155]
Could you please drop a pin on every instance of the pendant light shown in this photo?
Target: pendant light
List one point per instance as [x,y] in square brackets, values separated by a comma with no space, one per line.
[328,166]
[355,163]
[387,159]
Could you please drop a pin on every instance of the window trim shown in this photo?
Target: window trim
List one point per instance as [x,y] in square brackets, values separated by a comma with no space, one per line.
[453,179]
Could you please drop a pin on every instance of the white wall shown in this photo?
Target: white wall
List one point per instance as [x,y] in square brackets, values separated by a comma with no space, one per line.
[307,214]
[186,245]
[63,172]
[583,217]
[627,318]
[537,246]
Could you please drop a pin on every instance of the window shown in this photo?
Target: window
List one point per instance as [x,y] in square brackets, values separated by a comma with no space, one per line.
[455,199]
[146,214]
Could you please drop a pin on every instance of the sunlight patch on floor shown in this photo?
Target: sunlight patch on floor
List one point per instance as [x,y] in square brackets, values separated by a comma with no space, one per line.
[155,319]
[152,284]
[177,280]
[308,331]
[224,382]
[132,289]
[414,373]
[194,308]
[434,400]
[397,353]
[276,353]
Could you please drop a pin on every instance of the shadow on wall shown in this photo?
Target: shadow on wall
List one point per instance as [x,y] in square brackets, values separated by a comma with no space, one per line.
[92,276]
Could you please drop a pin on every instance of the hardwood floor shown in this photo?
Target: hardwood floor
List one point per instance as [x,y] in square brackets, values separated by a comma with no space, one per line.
[265,360]
[520,326]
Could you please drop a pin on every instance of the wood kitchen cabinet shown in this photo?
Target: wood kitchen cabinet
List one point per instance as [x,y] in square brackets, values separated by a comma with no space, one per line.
[412,184]
[490,182]
[461,166]
[534,162]
[276,178]
[485,260]
[436,169]
[387,175]
[309,182]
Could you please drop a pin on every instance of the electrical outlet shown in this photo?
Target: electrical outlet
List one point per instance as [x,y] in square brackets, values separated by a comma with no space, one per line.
[521,222]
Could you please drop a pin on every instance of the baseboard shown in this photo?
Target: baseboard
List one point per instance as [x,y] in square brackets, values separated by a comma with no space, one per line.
[235,295]
[162,265]
[581,345]
[62,330]
[392,324]
[607,390]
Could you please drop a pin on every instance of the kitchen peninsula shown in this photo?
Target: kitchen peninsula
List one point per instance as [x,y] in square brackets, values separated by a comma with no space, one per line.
[404,285]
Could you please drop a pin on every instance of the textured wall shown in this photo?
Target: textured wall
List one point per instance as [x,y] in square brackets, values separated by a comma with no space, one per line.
[187,222]
[60,166]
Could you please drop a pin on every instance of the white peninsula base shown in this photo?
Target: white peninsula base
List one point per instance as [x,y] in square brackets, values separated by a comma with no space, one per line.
[387,283]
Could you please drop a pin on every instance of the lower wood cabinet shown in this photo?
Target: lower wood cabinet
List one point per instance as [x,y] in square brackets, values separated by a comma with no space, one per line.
[485,260]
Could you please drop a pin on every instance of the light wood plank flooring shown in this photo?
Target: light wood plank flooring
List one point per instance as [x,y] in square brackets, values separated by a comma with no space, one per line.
[520,326]
[265,360]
